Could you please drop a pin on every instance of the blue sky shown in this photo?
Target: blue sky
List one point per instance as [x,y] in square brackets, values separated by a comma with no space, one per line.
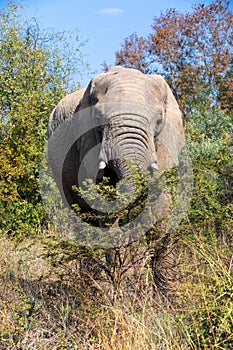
[104,23]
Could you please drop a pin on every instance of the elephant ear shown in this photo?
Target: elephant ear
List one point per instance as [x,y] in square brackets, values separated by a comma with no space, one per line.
[64,110]
[170,140]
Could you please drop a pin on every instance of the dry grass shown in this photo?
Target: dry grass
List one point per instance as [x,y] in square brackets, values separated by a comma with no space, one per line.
[47,303]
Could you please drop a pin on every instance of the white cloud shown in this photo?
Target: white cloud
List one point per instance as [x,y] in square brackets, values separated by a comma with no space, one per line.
[111,11]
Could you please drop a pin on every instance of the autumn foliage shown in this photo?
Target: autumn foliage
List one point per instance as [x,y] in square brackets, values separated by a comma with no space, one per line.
[192,50]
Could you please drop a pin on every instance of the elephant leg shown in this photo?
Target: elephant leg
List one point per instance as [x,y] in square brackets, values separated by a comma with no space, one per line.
[128,264]
[164,262]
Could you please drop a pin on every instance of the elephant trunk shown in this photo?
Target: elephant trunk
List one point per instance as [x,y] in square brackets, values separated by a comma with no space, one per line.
[126,148]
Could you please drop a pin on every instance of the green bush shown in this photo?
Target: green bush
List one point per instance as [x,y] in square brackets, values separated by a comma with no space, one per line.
[35,72]
[210,143]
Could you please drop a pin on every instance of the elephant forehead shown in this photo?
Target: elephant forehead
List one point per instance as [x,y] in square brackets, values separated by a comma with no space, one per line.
[116,79]
[128,111]
[140,91]
[127,84]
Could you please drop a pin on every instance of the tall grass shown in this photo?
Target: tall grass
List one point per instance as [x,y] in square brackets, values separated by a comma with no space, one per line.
[49,303]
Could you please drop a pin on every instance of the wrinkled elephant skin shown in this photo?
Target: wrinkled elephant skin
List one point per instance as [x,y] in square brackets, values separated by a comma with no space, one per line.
[126,116]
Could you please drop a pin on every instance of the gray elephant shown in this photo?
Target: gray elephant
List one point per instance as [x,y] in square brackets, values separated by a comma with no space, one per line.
[123,116]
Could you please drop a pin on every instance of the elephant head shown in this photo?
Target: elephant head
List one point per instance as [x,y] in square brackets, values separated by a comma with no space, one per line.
[124,116]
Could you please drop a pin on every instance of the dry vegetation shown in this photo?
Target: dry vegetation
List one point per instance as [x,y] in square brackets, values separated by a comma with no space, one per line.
[51,299]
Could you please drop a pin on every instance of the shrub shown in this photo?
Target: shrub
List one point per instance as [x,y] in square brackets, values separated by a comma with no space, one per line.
[35,72]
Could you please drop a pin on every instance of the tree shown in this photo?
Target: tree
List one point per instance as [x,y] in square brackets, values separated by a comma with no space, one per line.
[35,73]
[135,54]
[194,51]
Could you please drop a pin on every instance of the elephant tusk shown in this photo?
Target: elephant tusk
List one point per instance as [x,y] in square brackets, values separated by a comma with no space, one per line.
[155,166]
[102,165]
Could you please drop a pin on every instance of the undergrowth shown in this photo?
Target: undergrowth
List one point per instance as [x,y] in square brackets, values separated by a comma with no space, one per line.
[54,295]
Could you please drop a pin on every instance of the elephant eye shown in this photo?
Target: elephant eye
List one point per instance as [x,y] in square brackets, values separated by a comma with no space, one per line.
[99,133]
[159,124]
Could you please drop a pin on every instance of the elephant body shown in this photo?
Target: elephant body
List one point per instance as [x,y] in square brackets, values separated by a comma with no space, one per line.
[122,116]
[125,116]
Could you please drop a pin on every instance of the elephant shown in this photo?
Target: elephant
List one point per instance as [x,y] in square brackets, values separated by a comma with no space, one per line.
[143,125]
[124,115]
